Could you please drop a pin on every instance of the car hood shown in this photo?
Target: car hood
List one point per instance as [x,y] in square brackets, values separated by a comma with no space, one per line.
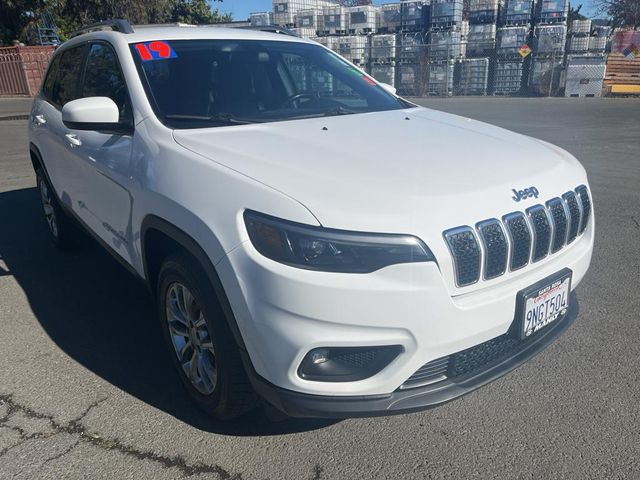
[415,170]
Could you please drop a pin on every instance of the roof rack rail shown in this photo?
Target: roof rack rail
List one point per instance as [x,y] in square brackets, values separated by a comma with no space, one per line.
[116,25]
[271,29]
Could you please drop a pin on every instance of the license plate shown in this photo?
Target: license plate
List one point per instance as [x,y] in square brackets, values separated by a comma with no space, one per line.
[545,303]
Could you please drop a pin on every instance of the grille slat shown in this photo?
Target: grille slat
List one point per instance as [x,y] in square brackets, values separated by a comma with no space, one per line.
[495,246]
[517,239]
[585,202]
[466,254]
[541,232]
[559,218]
[520,236]
[574,215]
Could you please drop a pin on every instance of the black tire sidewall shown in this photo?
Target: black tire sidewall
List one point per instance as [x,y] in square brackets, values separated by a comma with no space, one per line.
[182,270]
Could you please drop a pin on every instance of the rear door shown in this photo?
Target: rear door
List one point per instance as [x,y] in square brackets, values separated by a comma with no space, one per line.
[61,86]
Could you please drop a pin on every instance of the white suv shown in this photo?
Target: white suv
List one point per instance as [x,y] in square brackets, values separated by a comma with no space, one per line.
[310,238]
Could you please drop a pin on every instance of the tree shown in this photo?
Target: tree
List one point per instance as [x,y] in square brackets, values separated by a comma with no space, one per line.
[18,16]
[623,13]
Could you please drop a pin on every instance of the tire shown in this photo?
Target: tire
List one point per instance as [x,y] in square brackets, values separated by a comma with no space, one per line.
[62,231]
[197,334]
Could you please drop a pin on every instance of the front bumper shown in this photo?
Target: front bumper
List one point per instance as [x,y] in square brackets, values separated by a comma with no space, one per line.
[297,404]
[283,312]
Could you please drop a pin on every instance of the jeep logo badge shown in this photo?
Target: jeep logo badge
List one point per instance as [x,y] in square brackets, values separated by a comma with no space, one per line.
[526,193]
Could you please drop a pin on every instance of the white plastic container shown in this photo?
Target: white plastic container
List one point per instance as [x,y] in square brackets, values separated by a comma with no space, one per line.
[363,19]
[261,19]
[334,20]
[581,27]
[383,47]
[390,17]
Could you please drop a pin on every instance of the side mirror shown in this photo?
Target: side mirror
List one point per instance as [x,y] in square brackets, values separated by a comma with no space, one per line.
[93,113]
[392,90]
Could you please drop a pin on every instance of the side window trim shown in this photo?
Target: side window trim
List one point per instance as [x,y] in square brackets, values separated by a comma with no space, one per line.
[118,63]
[81,76]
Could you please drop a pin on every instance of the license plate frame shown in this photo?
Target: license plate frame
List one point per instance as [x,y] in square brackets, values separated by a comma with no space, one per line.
[533,296]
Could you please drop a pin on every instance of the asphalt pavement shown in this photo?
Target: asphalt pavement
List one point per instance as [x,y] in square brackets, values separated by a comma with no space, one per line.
[87,390]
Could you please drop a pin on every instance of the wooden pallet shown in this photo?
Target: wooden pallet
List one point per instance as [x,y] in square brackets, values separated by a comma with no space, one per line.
[622,70]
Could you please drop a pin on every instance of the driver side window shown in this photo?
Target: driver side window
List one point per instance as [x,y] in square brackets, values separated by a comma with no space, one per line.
[103,78]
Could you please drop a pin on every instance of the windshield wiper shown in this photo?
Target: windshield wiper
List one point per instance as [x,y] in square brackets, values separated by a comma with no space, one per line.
[338,111]
[220,118]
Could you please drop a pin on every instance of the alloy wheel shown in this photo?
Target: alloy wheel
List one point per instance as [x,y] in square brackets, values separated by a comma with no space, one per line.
[191,338]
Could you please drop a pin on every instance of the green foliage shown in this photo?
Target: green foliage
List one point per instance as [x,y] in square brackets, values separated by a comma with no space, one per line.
[18,16]
[623,13]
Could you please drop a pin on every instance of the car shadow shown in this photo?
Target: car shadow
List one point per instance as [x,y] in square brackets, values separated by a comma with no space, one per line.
[102,317]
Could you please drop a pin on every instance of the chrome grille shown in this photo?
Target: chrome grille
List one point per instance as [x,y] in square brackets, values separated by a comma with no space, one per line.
[495,246]
[585,202]
[559,219]
[574,215]
[465,251]
[518,239]
[541,232]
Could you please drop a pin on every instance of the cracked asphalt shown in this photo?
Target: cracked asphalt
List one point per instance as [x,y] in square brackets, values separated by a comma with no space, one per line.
[86,389]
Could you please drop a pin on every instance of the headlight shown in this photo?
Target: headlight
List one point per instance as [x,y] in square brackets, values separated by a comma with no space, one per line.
[329,250]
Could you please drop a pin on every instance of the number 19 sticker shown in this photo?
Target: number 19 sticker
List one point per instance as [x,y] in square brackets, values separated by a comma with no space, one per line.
[155,51]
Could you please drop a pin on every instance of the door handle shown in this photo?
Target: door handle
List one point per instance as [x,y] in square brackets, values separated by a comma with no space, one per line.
[74,141]
[39,119]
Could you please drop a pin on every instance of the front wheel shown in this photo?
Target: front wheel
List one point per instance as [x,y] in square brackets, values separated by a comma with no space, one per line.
[200,341]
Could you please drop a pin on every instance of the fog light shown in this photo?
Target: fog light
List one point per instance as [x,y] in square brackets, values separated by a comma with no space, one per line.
[320,355]
[346,364]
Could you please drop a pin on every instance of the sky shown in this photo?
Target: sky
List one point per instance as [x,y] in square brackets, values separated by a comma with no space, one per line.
[242,8]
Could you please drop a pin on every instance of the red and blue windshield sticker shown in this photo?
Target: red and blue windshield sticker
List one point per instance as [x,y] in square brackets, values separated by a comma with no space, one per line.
[156,50]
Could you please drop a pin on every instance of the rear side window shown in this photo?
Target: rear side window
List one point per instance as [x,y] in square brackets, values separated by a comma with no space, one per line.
[68,78]
[50,79]
[103,78]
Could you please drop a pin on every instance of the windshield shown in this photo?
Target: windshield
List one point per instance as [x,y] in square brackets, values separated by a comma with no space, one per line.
[204,83]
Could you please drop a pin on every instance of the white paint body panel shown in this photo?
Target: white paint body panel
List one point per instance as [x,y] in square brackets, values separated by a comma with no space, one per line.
[413,171]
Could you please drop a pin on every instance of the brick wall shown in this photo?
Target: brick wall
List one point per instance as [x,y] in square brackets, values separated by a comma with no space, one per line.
[22,69]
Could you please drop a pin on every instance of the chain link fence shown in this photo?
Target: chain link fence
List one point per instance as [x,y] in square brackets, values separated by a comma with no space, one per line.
[485,60]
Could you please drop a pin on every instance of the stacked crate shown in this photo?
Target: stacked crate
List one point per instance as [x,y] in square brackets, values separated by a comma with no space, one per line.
[509,65]
[474,76]
[517,12]
[441,74]
[414,16]
[351,47]
[382,57]
[446,13]
[507,77]
[550,38]
[481,40]
[551,11]
[598,39]
[261,19]
[309,19]
[334,20]
[579,36]
[445,44]
[363,19]
[483,11]
[390,16]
